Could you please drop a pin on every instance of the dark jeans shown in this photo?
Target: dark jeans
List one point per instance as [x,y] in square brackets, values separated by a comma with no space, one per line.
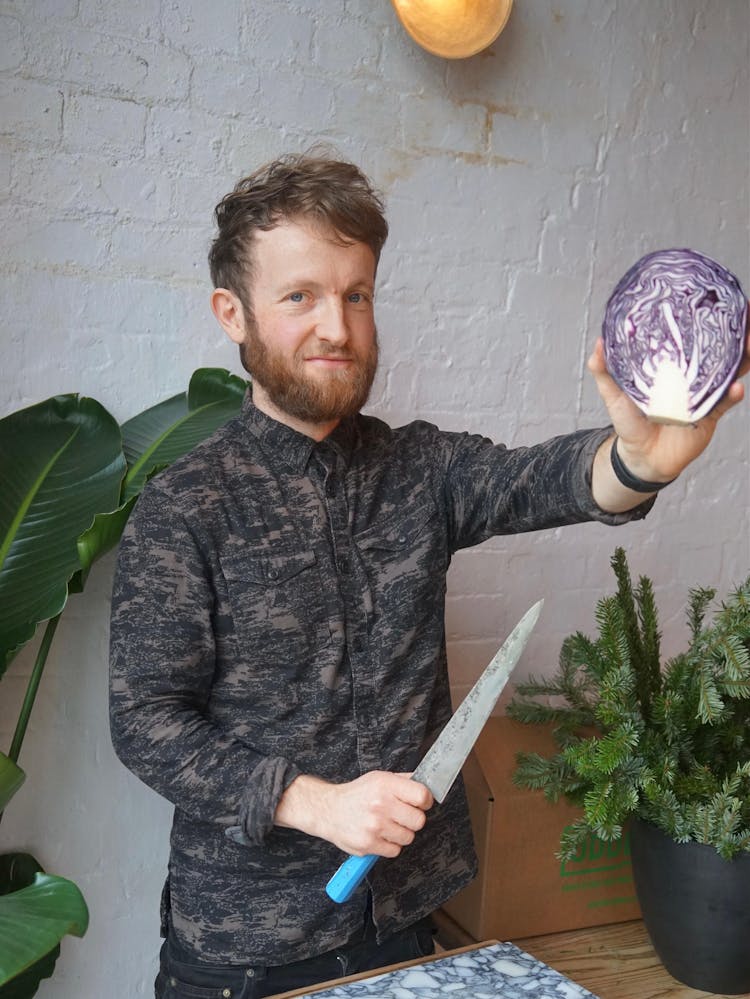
[181,977]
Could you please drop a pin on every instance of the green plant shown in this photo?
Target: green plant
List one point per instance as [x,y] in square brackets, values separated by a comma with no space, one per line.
[669,744]
[69,477]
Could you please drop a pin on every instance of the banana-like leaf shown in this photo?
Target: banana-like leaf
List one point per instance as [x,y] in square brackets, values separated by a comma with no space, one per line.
[158,436]
[61,463]
[17,870]
[11,778]
[26,985]
[216,385]
[103,535]
[36,911]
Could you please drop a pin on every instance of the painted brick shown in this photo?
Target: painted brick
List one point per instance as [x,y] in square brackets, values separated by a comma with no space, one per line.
[250,145]
[163,252]
[30,111]
[201,192]
[104,125]
[135,190]
[279,33]
[38,241]
[405,65]
[178,136]
[349,44]
[310,96]
[89,186]
[46,52]
[357,102]
[519,136]
[135,19]
[128,68]
[13,50]
[45,10]
[433,123]
[223,86]
[194,25]
[6,162]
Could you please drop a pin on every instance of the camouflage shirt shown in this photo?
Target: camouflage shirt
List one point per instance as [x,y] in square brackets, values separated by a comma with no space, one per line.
[278,609]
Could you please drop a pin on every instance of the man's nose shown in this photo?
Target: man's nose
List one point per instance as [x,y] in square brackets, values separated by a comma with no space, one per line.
[332,326]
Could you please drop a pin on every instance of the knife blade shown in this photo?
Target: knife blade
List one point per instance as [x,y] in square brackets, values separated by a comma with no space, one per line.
[443,761]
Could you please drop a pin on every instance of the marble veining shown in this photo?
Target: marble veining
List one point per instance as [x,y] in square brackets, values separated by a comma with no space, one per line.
[498,971]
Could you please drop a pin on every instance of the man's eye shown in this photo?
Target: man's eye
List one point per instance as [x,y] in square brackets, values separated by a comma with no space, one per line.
[296,296]
[356,297]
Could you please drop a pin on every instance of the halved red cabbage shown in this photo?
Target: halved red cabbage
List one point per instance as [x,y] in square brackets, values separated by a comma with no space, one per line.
[674,334]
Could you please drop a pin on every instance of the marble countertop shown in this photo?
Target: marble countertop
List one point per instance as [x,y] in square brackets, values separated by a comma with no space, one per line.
[490,972]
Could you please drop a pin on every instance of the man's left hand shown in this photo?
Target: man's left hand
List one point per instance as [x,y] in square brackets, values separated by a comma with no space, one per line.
[654,452]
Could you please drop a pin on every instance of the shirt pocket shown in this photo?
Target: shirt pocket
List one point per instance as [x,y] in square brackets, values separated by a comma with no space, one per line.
[399,537]
[404,557]
[396,533]
[278,610]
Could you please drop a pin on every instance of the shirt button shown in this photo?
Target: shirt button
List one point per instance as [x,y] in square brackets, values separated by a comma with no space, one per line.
[344,566]
[226,993]
[250,973]
[273,573]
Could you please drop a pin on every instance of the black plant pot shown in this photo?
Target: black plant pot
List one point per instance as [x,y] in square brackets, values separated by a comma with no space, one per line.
[696,909]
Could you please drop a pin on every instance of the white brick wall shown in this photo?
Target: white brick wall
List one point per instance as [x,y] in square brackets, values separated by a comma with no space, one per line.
[520,183]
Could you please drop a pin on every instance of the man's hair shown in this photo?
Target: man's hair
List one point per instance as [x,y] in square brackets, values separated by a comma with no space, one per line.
[329,193]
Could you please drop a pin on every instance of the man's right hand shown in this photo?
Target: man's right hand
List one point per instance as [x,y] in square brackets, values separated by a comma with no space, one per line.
[377,813]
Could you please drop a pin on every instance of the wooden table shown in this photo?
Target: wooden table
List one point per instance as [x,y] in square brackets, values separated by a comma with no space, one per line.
[614,962]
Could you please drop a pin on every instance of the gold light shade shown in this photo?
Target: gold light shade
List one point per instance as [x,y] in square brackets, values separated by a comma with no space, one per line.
[453,29]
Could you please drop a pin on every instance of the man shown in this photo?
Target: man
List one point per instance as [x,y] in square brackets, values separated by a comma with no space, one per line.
[278,651]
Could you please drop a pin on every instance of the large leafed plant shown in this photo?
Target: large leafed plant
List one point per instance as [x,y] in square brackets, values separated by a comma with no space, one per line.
[69,477]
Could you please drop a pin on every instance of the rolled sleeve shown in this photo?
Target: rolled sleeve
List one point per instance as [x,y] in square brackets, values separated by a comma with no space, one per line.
[260,799]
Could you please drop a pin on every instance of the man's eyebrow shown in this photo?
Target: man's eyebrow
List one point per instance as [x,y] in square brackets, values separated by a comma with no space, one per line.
[293,283]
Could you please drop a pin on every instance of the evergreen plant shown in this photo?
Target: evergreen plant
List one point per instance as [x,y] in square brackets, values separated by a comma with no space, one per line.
[668,744]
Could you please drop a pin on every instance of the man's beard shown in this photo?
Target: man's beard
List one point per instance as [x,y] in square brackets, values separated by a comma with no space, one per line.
[294,392]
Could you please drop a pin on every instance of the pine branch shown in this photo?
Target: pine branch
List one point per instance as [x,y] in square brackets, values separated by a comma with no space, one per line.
[627,605]
[553,776]
[699,600]
[572,838]
[710,701]
[648,617]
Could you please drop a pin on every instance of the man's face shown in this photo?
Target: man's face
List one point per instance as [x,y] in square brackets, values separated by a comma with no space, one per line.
[311,343]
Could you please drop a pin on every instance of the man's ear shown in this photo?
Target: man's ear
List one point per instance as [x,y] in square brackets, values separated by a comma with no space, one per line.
[227,308]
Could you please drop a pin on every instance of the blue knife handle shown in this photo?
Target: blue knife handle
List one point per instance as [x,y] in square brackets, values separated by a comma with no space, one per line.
[343,883]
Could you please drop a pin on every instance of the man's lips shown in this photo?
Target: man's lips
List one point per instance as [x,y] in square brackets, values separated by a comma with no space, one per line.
[333,360]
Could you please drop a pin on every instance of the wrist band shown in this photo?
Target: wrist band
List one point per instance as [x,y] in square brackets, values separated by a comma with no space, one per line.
[627,478]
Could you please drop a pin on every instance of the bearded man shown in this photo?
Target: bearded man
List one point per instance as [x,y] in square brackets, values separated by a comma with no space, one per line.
[278,648]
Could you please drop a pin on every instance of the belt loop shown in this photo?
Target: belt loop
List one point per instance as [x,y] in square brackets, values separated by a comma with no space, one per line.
[254,977]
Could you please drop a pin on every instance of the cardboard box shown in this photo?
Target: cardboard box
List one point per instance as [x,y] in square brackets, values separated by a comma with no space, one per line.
[523,889]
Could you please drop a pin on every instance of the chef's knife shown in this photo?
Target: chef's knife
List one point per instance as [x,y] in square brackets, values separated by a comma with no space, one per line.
[443,761]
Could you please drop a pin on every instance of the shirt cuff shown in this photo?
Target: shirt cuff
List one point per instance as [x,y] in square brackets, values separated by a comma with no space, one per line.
[585,471]
[260,799]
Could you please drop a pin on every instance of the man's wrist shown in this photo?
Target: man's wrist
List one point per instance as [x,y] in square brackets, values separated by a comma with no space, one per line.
[299,805]
[626,478]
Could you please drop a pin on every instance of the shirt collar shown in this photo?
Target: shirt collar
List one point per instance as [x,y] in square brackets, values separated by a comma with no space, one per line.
[290,447]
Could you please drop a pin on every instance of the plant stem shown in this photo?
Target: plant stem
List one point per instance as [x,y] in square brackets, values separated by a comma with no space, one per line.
[33,686]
